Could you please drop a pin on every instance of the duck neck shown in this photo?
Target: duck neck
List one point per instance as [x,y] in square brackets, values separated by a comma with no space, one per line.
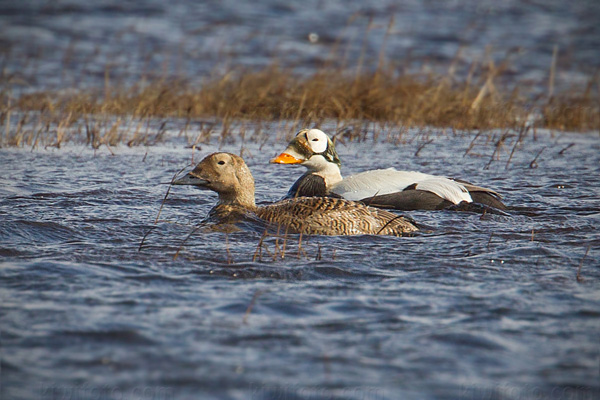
[328,170]
[331,173]
[239,196]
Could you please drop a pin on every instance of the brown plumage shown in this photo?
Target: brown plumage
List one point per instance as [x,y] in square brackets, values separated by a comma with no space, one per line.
[229,176]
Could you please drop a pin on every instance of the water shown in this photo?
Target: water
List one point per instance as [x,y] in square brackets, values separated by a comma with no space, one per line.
[482,307]
[65,44]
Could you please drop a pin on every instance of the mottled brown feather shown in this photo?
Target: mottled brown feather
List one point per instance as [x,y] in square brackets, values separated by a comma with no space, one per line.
[229,176]
[331,216]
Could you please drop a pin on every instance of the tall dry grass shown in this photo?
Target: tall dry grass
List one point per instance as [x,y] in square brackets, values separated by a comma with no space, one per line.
[118,113]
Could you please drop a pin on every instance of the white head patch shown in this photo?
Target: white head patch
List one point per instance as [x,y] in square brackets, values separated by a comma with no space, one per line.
[317,140]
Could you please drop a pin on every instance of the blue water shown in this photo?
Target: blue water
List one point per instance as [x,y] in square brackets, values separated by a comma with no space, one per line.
[481,307]
[64,44]
[99,300]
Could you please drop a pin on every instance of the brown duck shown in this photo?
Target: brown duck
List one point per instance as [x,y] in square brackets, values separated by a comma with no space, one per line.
[229,176]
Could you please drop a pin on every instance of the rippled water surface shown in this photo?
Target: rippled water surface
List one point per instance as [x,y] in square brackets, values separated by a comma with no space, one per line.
[100,300]
[481,307]
[64,44]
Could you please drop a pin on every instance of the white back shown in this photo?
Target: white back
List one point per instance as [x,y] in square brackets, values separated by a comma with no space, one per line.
[385,181]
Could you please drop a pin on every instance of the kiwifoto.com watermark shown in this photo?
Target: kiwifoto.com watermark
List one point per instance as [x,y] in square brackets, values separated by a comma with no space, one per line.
[64,392]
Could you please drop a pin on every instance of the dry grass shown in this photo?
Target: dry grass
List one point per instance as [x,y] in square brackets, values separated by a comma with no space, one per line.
[120,114]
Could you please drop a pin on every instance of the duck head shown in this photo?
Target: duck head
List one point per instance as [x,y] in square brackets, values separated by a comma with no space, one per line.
[312,148]
[226,174]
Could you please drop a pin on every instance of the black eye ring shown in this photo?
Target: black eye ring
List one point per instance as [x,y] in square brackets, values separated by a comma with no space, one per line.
[221,162]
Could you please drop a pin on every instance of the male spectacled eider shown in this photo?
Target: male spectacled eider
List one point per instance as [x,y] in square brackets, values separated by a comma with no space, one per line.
[229,176]
[384,188]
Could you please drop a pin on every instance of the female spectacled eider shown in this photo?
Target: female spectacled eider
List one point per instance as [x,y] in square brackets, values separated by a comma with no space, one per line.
[229,176]
[384,188]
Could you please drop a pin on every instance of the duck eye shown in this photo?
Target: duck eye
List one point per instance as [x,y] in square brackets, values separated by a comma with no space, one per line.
[315,140]
[221,162]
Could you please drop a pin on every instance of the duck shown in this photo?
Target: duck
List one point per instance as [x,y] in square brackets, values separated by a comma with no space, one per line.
[228,175]
[381,188]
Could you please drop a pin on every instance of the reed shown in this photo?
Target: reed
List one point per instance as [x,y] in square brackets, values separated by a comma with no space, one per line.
[578,276]
[277,94]
[384,96]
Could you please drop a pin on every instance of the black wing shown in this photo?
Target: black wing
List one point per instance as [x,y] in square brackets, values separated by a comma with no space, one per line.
[408,199]
[308,185]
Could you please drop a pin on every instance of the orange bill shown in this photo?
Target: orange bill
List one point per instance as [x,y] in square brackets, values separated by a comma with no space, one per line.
[285,158]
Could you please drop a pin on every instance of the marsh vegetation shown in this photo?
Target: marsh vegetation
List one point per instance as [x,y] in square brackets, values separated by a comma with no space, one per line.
[380,96]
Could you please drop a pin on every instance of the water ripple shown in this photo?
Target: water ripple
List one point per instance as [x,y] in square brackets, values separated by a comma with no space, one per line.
[95,290]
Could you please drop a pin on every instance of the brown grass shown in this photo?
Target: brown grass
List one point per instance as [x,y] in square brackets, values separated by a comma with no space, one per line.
[274,93]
